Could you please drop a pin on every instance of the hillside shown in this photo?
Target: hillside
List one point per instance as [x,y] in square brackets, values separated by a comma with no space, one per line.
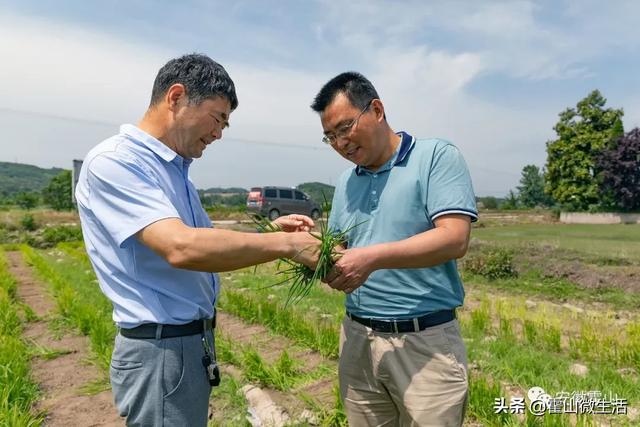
[219,190]
[17,177]
[318,191]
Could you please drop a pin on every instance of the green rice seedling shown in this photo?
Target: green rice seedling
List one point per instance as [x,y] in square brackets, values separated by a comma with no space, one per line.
[530,331]
[328,417]
[230,407]
[74,250]
[550,420]
[284,374]
[551,337]
[480,319]
[38,350]
[17,390]
[79,300]
[308,330]
[482,397]
[281,375]
[506,329]
[630,352]
[300,277]
[95,387]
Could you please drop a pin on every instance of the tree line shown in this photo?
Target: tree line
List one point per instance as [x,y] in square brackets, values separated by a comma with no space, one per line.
[592,165]
[56,194]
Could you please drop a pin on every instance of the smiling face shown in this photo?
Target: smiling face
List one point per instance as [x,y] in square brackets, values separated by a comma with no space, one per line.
[357,135]
[197,126]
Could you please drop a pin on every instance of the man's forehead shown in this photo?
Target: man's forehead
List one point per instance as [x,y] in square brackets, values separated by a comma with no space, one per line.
[340,102]
[339,108]
[218,104]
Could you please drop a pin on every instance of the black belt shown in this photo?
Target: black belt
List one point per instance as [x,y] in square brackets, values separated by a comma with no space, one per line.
[150,330]
[407,325]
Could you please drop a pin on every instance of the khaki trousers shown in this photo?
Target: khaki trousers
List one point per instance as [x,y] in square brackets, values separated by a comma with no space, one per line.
[408,379]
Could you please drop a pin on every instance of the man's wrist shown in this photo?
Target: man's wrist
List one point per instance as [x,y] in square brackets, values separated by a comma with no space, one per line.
[374,255]
[291,249]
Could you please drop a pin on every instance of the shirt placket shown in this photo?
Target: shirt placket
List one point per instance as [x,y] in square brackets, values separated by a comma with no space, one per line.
[374,195]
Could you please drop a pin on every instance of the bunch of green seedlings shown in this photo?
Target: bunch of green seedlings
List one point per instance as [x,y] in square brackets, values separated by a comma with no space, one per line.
[300,277]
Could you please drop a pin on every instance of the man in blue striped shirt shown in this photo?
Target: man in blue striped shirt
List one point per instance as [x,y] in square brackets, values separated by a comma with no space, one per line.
[155,252]
[406,208]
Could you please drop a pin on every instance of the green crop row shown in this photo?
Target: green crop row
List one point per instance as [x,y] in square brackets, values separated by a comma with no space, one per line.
[18,392]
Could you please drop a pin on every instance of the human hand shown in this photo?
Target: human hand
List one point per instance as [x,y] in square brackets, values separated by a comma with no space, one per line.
[351,270]
[293,222]
[305,248]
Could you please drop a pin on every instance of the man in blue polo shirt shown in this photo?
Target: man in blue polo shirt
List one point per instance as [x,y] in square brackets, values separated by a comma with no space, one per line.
[407,206]
[154,251]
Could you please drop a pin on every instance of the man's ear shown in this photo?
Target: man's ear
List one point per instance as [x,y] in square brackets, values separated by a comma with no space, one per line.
[378,109]
[174,94]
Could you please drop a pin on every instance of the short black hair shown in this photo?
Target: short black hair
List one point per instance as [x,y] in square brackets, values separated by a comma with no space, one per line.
[202,77]
[356,87]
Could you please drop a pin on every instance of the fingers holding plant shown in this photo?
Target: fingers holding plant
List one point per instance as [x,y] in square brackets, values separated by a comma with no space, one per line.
[351,270]
[305,249]
[293,223]
[312,255]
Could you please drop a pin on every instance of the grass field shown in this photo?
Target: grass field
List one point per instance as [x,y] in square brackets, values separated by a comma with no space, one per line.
[606,241]
[531,328]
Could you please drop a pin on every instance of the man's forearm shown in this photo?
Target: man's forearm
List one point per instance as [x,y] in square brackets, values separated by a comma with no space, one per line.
[214,250]
[426,249]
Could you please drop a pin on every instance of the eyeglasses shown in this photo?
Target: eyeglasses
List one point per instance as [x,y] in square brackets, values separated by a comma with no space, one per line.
[344,130]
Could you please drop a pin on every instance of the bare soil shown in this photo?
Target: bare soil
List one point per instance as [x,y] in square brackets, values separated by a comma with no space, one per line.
[61,379]
[270,347]
[581,272]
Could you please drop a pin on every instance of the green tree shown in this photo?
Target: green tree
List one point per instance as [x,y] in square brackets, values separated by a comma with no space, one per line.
[489,202]
[58,193]
[620,171]
[531,188]
[27,200]
[510,202]
[583,132]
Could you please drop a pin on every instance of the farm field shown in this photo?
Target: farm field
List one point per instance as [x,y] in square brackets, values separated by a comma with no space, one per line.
[547,305]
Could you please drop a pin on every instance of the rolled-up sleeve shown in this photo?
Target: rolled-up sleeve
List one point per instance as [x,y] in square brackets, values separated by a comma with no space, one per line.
[450,190]
[124,196]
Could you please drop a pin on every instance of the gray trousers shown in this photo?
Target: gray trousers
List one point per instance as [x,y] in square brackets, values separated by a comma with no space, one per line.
[160,382]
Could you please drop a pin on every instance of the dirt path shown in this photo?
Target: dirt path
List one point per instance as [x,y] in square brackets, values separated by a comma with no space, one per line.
[60,379]
[270,347]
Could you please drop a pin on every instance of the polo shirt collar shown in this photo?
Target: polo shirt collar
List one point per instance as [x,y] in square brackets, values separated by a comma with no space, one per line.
[153,144]
[406,144]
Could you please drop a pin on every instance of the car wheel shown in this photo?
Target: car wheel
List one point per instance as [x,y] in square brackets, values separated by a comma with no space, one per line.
[274,214]
[315,214]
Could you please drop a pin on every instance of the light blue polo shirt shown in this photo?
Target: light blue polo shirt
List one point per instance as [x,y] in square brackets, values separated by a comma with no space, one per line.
[423,180]
[127,182]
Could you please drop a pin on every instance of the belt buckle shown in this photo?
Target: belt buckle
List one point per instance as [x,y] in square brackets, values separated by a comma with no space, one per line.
[395,326]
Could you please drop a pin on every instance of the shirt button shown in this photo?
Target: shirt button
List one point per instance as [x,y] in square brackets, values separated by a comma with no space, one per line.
[375,176]
[373,192]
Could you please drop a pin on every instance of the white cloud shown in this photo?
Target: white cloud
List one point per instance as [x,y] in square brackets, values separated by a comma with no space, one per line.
[71,71]
[422,57]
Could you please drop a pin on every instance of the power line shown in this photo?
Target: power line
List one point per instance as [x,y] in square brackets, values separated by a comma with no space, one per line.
[318,147]
[57,117]
[113,124]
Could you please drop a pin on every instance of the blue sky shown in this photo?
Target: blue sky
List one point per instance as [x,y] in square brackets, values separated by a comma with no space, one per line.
[489,76]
